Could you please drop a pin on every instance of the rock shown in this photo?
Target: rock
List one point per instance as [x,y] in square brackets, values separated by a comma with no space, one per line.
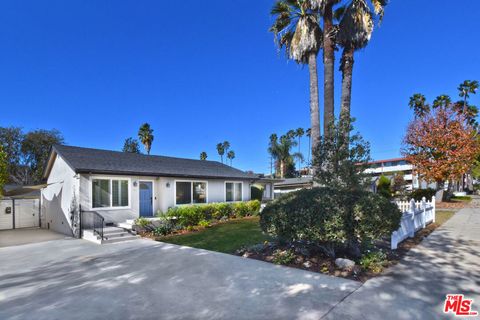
[344,263]
[307,264]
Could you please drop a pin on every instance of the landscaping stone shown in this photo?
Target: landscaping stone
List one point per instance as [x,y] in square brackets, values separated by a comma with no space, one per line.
[344,263]
[307,264]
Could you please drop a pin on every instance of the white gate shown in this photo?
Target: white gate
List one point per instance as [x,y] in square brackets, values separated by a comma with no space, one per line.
[19,213]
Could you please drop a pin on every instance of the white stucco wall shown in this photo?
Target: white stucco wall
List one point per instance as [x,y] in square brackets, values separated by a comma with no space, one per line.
[56,199]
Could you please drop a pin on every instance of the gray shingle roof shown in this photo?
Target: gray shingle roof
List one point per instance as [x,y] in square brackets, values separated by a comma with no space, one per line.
[86,160]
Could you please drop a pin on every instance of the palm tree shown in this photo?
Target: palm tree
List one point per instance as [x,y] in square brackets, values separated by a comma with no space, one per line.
[354,32]
[272,150]
[226,146]
[299,134]
[418,103]
[203,155]
[297,30]
[465,88]
[280,150]
[145,134]
[231,156]
[220,150]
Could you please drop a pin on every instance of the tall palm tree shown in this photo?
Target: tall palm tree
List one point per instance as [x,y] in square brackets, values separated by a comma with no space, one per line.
[220,150]
[203,155]
[272,150]
[145,135]
[226,146]
[466,88]
[299,134]
[354,32]
[231,156]
[280,150]
[297,30]
[418,103]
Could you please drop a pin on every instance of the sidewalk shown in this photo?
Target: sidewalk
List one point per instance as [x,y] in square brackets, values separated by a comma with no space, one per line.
[448,261]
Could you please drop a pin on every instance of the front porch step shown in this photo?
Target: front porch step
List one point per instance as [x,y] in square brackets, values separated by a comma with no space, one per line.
[110,235]
[120,239]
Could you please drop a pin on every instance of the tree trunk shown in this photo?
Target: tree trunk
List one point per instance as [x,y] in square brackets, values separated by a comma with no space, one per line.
[328,70]
[282,169]
[347,72]
[314,104]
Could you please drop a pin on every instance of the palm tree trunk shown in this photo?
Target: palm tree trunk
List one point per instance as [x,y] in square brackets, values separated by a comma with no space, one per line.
[314,104]
[328,70]
[347,72]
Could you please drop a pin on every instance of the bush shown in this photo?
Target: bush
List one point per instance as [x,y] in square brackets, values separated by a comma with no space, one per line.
[332,218]
[418,194]
[163,229]
[256,193]
[142,222]
[383,187]
[192,215]
[204,224]
[283,256]
[374,261]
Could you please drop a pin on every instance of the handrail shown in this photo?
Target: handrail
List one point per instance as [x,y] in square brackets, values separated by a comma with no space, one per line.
[92,220]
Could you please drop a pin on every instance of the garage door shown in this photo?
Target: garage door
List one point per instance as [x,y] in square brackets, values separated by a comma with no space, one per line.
[24,214]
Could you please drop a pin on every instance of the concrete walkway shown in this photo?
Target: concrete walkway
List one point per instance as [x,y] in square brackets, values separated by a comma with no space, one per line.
[143,279]
[448,261]
[27,235]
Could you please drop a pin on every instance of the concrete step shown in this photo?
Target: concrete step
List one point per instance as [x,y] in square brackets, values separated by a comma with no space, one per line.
[120,239]
[125,225]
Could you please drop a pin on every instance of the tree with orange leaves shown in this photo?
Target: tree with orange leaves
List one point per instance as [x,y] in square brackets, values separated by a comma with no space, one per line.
[441,142]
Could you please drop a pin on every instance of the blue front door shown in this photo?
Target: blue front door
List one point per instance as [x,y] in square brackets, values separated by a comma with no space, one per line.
[146,199]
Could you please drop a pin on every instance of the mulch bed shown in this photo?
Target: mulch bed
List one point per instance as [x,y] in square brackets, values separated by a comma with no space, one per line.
[452,205]
[315,260]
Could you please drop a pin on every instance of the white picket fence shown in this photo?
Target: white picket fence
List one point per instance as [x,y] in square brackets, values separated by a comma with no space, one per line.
[416,215]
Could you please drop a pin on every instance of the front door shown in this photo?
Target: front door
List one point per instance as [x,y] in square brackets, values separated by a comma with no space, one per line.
[146,199]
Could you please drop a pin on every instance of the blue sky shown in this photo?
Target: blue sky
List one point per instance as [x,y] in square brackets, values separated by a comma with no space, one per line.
[201,72]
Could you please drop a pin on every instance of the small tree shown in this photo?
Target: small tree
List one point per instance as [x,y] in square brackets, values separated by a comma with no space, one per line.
[383,187]
[131,145]
[203,155]
[3,170]
[399,185]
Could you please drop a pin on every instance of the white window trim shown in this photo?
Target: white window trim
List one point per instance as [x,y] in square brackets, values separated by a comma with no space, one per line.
[234,189]
[191,192]
[153,194]
[110,178]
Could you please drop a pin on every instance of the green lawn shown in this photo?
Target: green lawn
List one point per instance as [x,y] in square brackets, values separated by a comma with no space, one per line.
[224,237]
[442,216]
[462,198]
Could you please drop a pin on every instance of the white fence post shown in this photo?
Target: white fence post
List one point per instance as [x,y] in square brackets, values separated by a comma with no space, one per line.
[423,212]
[434,212]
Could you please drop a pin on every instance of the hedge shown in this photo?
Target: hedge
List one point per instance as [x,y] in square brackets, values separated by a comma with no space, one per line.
[191,215]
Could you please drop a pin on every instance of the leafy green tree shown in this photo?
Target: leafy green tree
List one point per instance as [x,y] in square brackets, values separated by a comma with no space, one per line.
[221,150]
[231,156]
[131,145]
[297,30]
[36,148]
[384,187]
[145,135]
[203,155]
[280,149]
[11,139]
[3,170]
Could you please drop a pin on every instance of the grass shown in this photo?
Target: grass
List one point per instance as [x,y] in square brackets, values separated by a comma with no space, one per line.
[462,198]
[224,237]
[442,216]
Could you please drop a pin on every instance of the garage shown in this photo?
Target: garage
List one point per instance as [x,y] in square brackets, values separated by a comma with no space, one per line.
[19,213]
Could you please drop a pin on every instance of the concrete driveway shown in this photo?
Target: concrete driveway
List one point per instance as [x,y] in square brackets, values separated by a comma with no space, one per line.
[143,279]
[27,235]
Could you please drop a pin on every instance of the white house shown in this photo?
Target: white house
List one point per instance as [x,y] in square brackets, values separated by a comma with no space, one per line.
[122,186]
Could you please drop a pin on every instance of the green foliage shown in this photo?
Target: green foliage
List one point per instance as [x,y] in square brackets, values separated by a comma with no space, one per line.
[331,217]
[283,256]
[256,192]
[418,194]
[374,261]
[142,222]
[145,135]
[204,223]
[341,159]
[131,145]
[192,215]
[3,169]
[383,187]
[163,229]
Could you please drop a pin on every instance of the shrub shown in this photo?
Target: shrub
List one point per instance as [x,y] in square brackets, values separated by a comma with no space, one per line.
[163,229]
[142,222]
[186,215]
[222,210]
[256,193]
[418,194]
[332,218]
[254,207]
[240,209]
[204,224]
[374,261]
[383,187]
[283,256]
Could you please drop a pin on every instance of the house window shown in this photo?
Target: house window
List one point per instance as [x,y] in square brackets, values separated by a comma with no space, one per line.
[233,191]
[188,192]
[109,193]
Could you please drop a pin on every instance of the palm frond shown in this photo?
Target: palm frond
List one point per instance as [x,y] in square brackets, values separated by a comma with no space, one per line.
[356,25]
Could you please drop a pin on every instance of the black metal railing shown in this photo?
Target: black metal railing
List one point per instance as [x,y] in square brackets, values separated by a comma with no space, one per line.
[92,220]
